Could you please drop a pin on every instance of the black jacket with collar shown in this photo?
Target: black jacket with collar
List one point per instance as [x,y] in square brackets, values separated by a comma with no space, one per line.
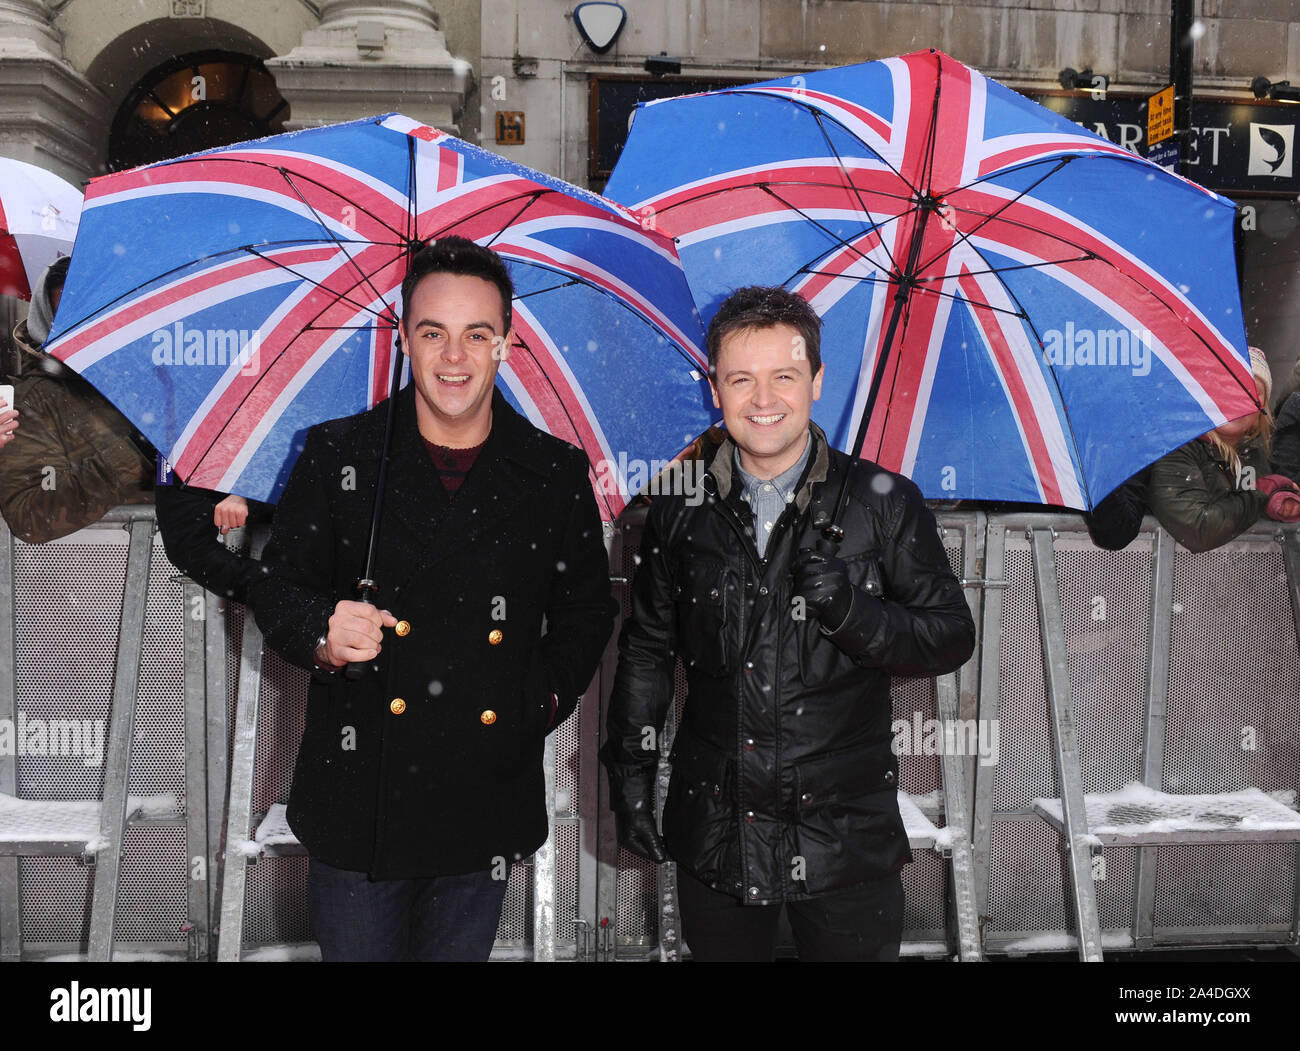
[784,781]
[443,787]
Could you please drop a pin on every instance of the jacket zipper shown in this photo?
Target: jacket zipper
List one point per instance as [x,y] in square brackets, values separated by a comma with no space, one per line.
[738,685]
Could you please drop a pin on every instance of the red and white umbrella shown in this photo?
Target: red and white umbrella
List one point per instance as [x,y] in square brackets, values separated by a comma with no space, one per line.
[38,223]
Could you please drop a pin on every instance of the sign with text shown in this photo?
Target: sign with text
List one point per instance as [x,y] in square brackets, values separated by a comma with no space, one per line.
[1165,154]
[1160,116]
[1234,147]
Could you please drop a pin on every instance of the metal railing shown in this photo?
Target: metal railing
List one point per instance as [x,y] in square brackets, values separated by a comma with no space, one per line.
[1134,658]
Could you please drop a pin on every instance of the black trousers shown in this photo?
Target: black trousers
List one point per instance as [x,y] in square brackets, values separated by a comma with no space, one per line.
[861,924]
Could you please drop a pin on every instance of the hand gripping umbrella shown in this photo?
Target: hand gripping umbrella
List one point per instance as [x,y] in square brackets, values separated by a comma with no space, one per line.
[1013,308]
[227,301]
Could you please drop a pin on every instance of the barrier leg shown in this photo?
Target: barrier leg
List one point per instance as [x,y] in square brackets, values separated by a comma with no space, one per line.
[126,680]
[1153,746]
[1068,769]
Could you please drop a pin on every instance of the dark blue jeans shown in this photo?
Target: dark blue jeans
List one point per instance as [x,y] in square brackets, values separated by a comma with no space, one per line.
[440,919]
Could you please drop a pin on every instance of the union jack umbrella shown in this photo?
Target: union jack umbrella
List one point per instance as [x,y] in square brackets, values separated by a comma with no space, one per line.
[1013,308]
[38,223]
[229,300]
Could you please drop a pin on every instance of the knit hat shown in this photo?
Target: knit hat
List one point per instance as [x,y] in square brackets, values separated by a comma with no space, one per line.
[1259,366]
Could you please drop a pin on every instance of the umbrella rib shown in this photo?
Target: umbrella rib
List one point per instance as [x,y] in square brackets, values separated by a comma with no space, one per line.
[919,287]
[550,288]
[542,371]
[248,248]
[853,186]
[304,178]
[1007,269]
[840,242]
[338,244]
[965,235]
[672,340]
[340,297]
[1038,340]
[532,196]
[532,200]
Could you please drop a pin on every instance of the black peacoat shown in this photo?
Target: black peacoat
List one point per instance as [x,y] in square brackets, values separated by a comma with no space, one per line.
[431,763]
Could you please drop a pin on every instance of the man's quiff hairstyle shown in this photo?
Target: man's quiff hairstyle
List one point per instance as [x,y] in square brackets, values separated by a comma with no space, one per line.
[458,255]
[758,307]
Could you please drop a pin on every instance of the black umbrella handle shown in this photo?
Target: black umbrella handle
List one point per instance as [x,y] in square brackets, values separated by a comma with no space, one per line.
[366,586]
[365,593]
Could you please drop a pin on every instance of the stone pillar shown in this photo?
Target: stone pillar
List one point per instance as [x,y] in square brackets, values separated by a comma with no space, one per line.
[372,58]
[49,113]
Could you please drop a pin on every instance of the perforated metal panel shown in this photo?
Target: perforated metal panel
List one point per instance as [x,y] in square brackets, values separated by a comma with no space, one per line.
[1242,887]
[1235,674]
[1105,600]
[1234,677]
[516,926]
[68,607]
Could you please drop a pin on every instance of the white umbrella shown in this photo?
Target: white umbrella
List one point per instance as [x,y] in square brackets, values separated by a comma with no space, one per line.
[38,223]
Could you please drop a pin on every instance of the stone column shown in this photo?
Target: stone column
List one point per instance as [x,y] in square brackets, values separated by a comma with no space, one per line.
[48,111]
[371,58]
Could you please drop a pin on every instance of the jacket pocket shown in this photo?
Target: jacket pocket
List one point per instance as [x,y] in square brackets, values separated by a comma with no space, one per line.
[700,597]
[849,828]
[700,814]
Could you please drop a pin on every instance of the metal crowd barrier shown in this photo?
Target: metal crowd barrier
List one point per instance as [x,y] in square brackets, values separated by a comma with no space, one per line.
[1160,668]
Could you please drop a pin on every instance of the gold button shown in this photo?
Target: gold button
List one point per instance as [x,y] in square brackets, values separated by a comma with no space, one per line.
[403,628]
[495,636]
[397,706]
[488,717]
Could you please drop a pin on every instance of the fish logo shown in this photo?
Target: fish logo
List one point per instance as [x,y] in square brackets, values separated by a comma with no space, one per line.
[1271,150]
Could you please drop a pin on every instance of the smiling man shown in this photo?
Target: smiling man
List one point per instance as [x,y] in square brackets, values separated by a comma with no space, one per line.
[784,784]
[418,785]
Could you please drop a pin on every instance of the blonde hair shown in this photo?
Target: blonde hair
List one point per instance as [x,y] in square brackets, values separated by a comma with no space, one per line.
[1262,432]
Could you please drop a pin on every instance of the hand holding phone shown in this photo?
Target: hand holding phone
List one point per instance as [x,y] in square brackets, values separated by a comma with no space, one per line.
[8,416]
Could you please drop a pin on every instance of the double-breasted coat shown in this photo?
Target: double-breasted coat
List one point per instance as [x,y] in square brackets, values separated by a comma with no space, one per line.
[431,763]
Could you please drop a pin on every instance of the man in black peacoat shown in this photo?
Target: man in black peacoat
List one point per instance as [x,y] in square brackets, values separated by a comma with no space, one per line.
[494,610]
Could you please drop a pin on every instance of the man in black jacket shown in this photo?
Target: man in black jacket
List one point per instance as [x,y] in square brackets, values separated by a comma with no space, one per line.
[418,785]
[784,786]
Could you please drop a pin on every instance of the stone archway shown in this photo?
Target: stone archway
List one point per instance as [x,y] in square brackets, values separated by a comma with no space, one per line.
[137,60]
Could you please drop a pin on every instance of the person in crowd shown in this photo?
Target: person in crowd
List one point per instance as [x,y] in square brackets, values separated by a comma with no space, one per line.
[67,455]
[1216,486]
[419,784]
[1285,457]
[784,785]
[193,522]
[1117,519]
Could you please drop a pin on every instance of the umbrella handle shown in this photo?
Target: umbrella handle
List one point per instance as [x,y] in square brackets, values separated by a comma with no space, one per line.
[365,593]
[830,540]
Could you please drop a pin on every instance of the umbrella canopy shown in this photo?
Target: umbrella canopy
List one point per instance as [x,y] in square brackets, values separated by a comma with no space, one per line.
[1013,308]
[227,301]
[38,223]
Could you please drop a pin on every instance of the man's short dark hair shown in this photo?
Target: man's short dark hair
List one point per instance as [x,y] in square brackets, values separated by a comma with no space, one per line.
[459,255]
[758,307]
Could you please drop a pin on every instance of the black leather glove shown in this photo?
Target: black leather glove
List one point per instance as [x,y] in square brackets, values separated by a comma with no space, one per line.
[638,833]
[823,581]
[632,800]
